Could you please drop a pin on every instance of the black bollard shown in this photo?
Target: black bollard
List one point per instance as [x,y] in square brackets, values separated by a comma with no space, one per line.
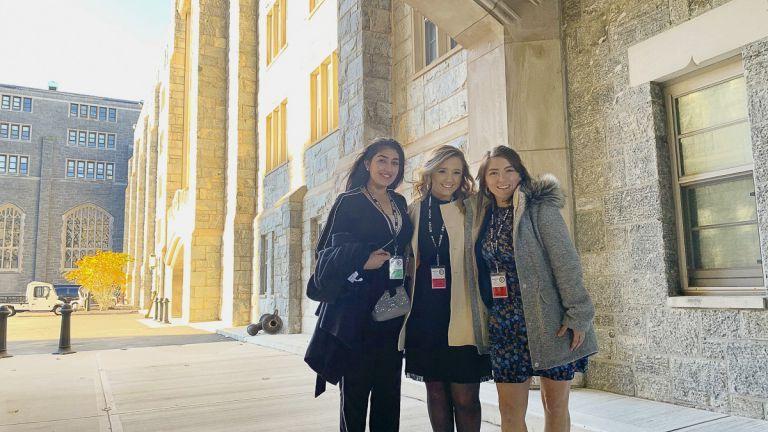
[4,314]
[160,310]
[165,310]
[157,303]
[64,339]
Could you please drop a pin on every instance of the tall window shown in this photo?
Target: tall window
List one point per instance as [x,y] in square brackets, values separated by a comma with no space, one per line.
[276,24]
[27,105]
[86,229]
[73,109]
[266,267]
[314,4]
[112,115]
[102,113]
[11,237]
[6,104]
[26,132]
[714,187]
[277,151]
[324,96]
[3,130]
[430,43]
[16,103]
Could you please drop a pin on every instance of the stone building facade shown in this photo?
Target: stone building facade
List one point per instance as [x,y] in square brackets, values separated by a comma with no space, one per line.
[63,159]
[605,95]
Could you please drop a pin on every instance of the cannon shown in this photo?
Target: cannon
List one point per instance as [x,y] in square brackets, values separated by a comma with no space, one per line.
[270,323]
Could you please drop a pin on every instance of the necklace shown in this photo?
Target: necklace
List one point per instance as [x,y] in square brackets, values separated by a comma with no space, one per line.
[431,233]
[394,222]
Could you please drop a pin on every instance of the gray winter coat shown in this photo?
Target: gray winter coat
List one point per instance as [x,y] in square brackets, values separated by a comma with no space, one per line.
[550,275]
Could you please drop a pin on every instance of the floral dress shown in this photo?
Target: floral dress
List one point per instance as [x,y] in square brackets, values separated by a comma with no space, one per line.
[510,357]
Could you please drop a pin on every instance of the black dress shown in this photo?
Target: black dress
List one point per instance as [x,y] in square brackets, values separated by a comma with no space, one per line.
[428,357]
[374,373]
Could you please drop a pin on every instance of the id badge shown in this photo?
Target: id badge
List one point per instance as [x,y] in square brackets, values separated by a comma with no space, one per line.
[396,268]
[499,285]
[438,277]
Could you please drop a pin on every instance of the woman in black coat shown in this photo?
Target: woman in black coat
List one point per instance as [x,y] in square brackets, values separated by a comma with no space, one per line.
[359,259]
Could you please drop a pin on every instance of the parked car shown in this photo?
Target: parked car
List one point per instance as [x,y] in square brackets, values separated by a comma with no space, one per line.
[72,294]
[39,297]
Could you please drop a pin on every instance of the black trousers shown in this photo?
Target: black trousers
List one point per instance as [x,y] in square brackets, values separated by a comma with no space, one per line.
[376,376]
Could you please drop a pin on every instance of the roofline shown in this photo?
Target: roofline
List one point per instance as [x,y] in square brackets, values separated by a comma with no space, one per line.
[109,99]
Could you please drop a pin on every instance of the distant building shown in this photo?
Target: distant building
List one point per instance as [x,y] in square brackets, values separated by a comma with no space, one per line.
[63,169]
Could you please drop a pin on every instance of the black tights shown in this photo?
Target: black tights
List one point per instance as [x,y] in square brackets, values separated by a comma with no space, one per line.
[447,402]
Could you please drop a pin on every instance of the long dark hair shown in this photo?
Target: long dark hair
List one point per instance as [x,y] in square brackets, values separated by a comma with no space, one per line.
[358,175]
[485,196]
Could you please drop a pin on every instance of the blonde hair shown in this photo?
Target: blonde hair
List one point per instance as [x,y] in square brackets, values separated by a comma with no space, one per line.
[423,184]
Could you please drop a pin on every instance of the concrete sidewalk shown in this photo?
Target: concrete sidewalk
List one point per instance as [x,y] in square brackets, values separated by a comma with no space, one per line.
[220,386]
[591,410]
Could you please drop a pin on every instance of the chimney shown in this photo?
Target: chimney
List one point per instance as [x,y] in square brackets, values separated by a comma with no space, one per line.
[52,85]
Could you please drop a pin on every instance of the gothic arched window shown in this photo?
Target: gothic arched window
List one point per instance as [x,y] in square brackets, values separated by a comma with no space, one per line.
[11,237]
[86,229]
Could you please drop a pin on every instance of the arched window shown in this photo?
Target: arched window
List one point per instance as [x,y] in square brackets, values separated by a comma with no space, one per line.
[86,229]
[11,237]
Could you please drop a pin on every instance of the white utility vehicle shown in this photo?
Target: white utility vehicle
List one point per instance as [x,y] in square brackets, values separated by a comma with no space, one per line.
[40,297]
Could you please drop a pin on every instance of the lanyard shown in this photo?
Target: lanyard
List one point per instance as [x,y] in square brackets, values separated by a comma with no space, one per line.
[495,231]
[393,224]
[431,235]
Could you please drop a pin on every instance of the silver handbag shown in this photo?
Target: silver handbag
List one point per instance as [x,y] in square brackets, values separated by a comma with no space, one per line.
[391,306]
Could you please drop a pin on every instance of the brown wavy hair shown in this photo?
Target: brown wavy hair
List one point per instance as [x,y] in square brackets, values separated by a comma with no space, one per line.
[423,184]
[485,197]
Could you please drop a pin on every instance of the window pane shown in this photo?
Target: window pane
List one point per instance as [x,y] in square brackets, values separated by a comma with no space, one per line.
[25,133]
[102,113]
[70,168]
[80,169]
[81,138]
[72,137]
[14,131]
[726,247]
[83,110]
[27,104]
[17,103]
[91,139]
[430,42]
[94,112]
[111,141]
[102,140]
[73,109]
[6,102]
[2,164]
[717,149]
[91,170]
[100,171]
[726,202]
[23,165]
[110,171]
[712,106]
[12,164]
[4,130]
[112,114]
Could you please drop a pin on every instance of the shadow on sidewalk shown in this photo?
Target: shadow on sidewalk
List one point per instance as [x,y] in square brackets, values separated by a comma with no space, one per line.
[94,344]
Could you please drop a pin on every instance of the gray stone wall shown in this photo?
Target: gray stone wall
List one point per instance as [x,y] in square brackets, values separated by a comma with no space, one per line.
[46,194]
[276,184]
[284,223]
[625,227]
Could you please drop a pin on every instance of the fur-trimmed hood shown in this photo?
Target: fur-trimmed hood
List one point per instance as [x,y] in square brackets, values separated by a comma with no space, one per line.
[544,190]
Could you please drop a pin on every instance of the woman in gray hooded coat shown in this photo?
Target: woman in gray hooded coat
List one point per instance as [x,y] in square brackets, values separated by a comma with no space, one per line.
[529,275]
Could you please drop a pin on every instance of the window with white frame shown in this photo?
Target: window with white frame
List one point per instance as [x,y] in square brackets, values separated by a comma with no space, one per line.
[73,109]
[714,189]
[11,237]
[86,230]
[16,106]
[12,164]
[90,170]
[430,43]
[6,102]
[13,131]
[27,105]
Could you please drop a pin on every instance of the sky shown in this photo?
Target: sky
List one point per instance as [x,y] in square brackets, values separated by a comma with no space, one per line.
[109,48]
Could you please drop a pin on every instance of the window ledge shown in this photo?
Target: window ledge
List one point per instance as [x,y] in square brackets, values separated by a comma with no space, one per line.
[717,302]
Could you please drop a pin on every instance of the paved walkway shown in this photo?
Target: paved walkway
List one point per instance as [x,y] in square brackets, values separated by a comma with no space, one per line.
[591,410]
[219,386]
